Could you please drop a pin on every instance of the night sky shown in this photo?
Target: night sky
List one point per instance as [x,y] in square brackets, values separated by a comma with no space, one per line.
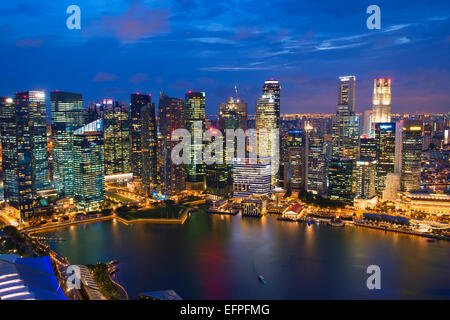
[175,46]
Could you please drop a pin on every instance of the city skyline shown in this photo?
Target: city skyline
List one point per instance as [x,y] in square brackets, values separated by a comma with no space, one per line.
[189,149]
[216,49]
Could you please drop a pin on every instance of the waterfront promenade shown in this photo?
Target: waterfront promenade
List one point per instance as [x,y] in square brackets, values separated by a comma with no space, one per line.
[55,226]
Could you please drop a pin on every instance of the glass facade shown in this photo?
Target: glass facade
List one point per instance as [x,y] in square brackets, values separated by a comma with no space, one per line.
[385,140]
[194,113]
[89,168]
[171,117]
[411,154]
[67,116]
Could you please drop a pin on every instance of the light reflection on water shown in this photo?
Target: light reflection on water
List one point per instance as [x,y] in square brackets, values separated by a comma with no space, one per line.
[219,257]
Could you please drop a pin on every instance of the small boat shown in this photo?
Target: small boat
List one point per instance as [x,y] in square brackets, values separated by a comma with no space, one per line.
[261,279]
[431,240]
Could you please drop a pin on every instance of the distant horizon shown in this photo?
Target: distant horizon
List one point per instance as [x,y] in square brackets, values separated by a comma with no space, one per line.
[128,46]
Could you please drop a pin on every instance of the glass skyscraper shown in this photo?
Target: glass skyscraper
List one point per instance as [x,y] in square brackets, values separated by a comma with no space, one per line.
[412,140]
[340,175]
[16,156]
[385,140]
[194,114]
[171,117]
[272,88]
[117,139]
[381,100]
[346,96]
[67,116]
[24,149]
[89,168]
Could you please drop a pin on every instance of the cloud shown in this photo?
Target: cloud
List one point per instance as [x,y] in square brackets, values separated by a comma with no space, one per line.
[30,43]
[137,22]
[138,78]
[104,76]
[402,40]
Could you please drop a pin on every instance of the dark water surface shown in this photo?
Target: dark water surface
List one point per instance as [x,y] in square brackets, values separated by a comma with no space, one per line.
[219,257]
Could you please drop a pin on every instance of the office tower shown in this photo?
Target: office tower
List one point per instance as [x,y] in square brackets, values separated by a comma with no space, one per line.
[316,172]
[171,117]
[149,144]
[297,164]
[24,150]
[346,96]
[251,177]
[427,136]
[89,166]
[139,102]
[117,139]
[365,178]
[67,116]
[385,139]
[367,129]
[33,103]
[345,137]
[368,148]
[273,89]
[267,131]
[16,138]
[194,114]
[411,154]
[232,116]
[340,179]
[392,187]
[381,100]
[345,125]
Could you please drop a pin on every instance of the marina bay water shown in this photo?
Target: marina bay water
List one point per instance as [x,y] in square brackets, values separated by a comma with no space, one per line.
[220,257]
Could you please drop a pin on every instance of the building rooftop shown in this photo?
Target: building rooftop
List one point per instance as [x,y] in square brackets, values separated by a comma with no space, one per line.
[28,279]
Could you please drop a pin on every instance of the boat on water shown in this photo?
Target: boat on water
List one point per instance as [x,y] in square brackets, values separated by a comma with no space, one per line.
[336,222]
[261,279]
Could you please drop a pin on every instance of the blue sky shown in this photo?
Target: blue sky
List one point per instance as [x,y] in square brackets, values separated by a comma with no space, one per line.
[129,46]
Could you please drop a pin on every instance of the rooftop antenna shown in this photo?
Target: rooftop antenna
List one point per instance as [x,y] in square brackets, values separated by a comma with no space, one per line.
[236,91]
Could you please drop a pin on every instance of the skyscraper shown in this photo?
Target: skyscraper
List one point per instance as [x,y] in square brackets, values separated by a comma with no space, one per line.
[297,168]
[232,116]
[117,139]
[137,105]
[316,173]
[411,155]
[149,149]
[194,113]
[345,136]
[171,117]
[365,178]
[340,175]
[16,141]
[267,130]
[345,125]
[346,96]
[381,100]
[67,116]
[385,140]
[89,166]
[272,88]
[33,103]
[368,148]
